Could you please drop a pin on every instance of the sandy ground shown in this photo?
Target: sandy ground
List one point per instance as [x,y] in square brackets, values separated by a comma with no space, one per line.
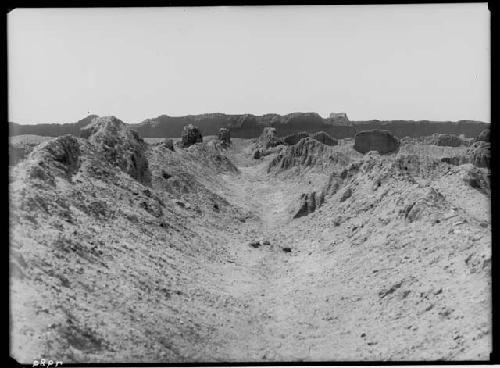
[363,281]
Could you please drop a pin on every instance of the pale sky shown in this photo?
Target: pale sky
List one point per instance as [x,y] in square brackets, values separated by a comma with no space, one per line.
[372,62]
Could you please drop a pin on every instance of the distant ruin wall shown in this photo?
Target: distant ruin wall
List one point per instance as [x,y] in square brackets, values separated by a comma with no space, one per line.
[339,116]
[405,128]
[250,126]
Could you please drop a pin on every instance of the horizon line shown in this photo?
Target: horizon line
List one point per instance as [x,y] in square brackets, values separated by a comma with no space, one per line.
[243,114]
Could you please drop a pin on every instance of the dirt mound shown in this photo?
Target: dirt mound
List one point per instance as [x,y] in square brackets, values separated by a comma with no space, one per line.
[484,136]
[257,153]
[294,138]
[210,155]
[325,138]
[381,141]
[224,137]
[417,165]
[267,143]
[479,154]
[191,174]
[479,179]
[424,206]
[449,140]
[169,143]
[308,203]
[119,145]
[58,157]
[115,259]
[375,171]
[308,152]
[190,135]
[269,138]
[261,152]
[360,184]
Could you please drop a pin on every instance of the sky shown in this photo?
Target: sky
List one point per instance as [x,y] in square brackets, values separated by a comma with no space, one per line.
[373,62]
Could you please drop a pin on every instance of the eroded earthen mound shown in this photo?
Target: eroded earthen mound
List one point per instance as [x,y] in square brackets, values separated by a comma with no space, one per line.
[190,135]
[478,179]
[484,136]
[307,152]
[119,145]
[294,138]
[449,140]
[269,138]
[381,141]
[209,154]
[257,153]
[325,138]
[224,137]
[56,157]
[479,154]
[308,203]
[169,143]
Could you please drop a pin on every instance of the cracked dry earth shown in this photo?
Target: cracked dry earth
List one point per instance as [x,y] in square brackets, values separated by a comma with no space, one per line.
[105,268]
